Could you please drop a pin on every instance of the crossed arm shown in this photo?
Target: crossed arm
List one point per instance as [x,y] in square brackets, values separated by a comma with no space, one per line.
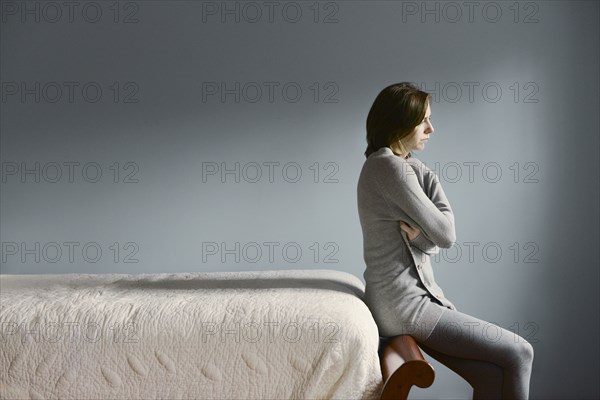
[419,240]
[422,200]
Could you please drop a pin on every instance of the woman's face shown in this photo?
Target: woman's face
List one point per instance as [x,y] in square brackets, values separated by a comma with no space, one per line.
[420,135]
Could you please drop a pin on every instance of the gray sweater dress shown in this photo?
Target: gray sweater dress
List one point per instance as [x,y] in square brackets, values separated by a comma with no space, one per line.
[400,289]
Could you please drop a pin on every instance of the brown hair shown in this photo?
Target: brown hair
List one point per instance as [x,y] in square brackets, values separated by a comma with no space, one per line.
[396,111]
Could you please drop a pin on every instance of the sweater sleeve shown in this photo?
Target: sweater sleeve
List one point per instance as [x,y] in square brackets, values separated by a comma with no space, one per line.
[427,206]
[422,243]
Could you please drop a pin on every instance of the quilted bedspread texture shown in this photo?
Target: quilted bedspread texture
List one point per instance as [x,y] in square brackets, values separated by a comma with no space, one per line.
[279,334]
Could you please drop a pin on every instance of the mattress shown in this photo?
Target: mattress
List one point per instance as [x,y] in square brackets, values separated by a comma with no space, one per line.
[278,334]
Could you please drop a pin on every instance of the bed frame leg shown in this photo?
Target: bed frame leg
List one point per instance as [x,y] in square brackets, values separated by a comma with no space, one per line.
[402,366]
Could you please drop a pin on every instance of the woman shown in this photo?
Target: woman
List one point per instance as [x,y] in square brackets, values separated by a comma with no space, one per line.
[405,217]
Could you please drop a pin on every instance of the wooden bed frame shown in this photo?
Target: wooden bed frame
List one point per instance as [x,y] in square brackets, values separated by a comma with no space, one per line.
[402,366]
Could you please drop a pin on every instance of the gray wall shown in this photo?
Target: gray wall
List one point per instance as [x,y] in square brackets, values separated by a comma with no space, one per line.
[533,229]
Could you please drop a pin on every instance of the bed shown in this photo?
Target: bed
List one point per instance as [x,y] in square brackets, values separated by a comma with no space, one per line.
[275,334]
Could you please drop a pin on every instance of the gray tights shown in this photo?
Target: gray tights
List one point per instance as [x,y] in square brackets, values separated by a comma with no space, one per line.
[494,361]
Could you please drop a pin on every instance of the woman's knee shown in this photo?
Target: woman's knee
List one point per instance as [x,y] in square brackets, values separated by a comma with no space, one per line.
[522,352]
[528,352]
[512,349]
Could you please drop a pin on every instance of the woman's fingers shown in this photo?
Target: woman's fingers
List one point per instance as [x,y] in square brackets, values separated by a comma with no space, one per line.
[413,232]
[406,226]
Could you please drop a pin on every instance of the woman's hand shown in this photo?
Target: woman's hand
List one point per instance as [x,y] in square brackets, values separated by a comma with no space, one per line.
[410,231]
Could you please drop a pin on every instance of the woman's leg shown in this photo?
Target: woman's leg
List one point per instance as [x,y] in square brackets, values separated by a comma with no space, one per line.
[495,361]
[485,377]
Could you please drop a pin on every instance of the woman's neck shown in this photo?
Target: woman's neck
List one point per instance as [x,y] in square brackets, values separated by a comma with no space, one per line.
[399,155]
[396,151]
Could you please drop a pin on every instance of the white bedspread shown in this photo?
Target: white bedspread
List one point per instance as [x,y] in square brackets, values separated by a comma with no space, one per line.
[301,334]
